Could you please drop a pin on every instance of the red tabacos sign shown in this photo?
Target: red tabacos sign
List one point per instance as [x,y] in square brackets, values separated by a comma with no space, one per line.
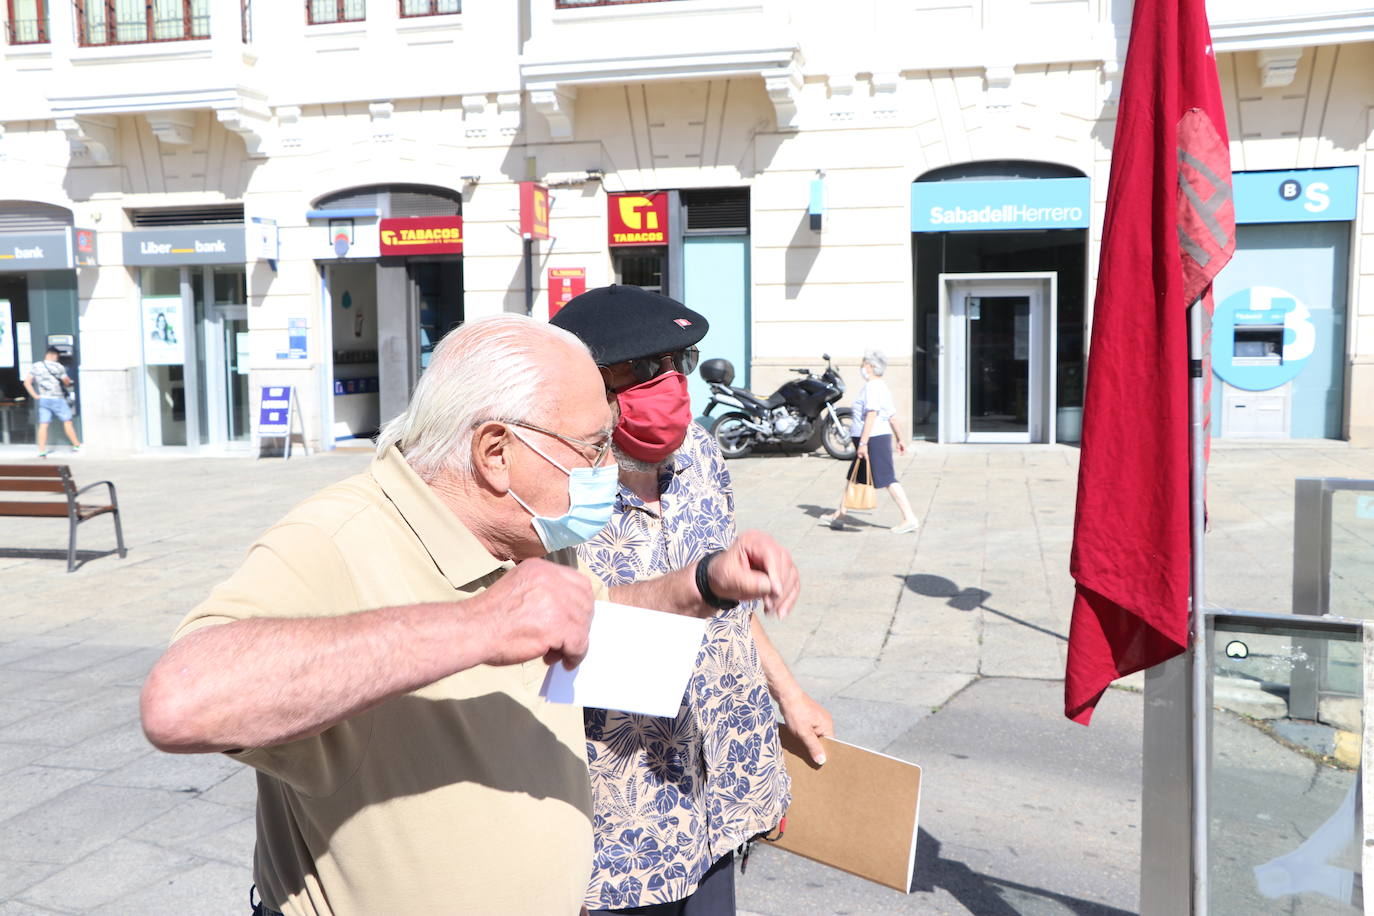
[421,235]
[534,210]
[638,219]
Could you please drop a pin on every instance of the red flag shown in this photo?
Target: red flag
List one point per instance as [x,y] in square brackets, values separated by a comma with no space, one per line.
[1170,226]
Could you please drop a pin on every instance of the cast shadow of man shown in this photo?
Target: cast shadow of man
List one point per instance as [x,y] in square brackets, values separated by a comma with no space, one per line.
[987,895]
[965,599]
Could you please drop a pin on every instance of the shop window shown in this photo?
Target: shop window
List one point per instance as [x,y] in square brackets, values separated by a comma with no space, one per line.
[430,7]
[125,22]
[320,12]
[642,267]
[28,22]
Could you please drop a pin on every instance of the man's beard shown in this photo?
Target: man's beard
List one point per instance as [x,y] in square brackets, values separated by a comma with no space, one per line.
[630,463]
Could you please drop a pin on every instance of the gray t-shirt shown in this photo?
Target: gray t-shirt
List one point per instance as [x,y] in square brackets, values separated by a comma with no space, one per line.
[47,378]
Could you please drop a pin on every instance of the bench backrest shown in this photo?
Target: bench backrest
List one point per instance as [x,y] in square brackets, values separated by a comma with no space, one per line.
[36,478]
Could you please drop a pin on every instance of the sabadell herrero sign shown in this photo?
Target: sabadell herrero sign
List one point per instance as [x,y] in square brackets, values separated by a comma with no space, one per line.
[980,206]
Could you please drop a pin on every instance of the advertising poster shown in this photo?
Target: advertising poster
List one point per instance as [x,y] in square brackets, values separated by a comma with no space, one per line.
[162,330]
[564,284]
[6,335]
[295,339]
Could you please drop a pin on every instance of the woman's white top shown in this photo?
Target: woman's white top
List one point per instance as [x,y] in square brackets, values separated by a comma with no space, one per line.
[873,396]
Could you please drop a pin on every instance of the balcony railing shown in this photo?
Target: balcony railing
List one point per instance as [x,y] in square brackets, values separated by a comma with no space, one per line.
[410,8]
[579,4]
[27,23]
[132,22]
[320,12]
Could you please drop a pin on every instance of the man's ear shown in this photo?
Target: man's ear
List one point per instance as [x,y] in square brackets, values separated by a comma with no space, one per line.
[491,453]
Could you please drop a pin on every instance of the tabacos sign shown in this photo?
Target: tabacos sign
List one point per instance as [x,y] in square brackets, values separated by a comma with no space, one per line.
[421,235]
[638,219]
[534,210]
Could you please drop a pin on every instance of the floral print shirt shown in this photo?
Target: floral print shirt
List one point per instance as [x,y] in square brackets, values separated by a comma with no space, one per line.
[672,796]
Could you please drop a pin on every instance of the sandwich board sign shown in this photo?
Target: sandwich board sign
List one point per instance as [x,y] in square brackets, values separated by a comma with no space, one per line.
[279,417]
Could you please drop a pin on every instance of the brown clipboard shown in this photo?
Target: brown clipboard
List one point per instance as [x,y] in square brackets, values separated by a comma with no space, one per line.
[858,813]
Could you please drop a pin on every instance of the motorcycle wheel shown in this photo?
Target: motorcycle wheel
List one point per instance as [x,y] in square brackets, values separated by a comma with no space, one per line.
[836,438]
[733,436]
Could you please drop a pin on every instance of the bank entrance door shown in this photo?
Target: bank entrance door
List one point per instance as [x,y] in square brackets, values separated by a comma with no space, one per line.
[999,382]
[195,350]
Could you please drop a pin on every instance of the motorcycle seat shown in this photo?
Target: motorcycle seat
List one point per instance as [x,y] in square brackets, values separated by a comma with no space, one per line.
[748,397]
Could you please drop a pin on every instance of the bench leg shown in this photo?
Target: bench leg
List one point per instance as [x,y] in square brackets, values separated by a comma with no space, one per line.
[119,535]
[71,546]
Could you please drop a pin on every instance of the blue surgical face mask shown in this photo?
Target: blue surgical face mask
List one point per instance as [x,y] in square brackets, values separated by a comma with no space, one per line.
[591,499]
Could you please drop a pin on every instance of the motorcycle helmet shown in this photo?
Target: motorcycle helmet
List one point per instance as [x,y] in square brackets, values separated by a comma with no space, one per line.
[717,370]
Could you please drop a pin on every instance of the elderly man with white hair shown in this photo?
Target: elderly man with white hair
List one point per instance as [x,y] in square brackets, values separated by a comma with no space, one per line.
[873,427]
[377,657]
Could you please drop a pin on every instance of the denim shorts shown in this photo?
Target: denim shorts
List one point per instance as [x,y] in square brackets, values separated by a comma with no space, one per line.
[50,409]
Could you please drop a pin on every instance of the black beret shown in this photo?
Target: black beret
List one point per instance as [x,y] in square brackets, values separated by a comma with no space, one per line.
[618,323]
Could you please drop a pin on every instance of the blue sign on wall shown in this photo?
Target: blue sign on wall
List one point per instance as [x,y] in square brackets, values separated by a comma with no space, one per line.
[979,206]
[1296,195]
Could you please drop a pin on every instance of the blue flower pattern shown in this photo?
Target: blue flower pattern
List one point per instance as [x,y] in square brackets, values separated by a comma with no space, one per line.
[671,796]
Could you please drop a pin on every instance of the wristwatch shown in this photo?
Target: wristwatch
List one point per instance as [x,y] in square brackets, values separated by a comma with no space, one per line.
[704,584]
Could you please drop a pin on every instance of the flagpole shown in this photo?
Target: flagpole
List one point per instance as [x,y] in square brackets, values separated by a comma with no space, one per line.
[1197,440]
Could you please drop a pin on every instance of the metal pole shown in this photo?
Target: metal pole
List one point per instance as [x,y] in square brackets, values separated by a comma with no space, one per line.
[529,276]
[1201,708]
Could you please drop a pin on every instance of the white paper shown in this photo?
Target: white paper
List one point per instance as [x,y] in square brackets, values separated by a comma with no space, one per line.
[637,660]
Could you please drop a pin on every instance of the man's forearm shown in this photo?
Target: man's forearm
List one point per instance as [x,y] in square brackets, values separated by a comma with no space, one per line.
[782,684]
[675,592]
[265,681]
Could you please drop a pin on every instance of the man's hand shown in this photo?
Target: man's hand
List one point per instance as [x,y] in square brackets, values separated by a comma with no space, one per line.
[901,445]
[809,722]
[863,450]
[539,609]
[756,566]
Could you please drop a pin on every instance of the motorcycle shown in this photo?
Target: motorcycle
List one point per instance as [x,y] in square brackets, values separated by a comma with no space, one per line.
[801,411]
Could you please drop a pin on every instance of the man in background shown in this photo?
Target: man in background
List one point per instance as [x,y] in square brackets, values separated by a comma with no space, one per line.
[45,383]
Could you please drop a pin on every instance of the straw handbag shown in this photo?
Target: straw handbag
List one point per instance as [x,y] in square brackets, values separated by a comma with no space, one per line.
[860,495]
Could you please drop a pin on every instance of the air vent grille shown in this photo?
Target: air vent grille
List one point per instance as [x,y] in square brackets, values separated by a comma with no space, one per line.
[28,216]
[717,208]
[231,215]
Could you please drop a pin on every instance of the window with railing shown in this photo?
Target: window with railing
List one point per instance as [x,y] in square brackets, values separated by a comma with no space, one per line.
[430,7]
[319,12]
[132,22]
[579,4]
[28,22]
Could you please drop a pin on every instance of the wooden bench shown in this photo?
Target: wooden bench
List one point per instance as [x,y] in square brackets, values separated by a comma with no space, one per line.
[56,478]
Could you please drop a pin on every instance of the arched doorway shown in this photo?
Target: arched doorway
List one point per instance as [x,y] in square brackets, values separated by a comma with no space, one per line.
[390,259]
[1000,262]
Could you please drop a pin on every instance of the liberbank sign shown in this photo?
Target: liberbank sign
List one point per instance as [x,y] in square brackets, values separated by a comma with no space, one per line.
[198,245]
[1014,203]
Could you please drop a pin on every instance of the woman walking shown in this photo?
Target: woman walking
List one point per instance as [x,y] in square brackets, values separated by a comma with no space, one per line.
[874,429]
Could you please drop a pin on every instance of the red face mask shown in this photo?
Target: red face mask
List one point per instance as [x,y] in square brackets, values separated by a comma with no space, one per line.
[653,417]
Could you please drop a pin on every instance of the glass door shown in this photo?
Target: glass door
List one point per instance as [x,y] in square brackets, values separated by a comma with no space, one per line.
[998,367]
[229,316]
[195,350]
[998,384]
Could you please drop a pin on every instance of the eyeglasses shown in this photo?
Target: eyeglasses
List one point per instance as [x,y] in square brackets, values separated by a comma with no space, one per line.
[601,449]
[648,367]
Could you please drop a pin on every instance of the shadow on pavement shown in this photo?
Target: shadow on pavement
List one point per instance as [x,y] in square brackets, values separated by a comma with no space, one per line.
[984,894]
[849,520]
[967,599]
[42,553]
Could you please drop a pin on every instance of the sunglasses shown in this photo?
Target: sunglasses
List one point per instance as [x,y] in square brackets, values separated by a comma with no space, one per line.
[648,367]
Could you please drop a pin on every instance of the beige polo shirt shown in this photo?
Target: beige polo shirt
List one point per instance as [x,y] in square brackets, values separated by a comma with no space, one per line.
[468,796]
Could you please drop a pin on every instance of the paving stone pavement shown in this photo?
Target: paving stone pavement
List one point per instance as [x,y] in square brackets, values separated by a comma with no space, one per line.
[944,646]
